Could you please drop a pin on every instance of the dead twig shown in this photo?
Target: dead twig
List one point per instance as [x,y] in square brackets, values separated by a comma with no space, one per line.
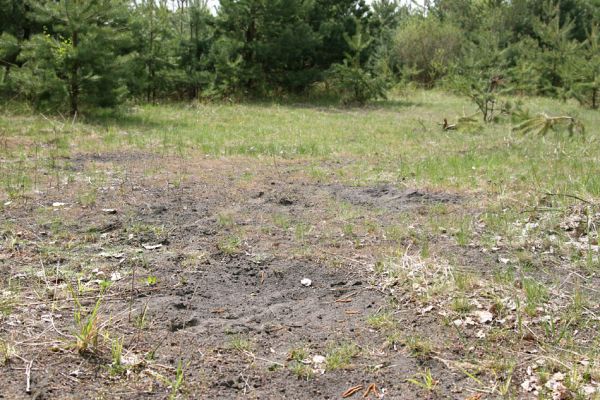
[347,298]
[114,297]
[28,377]
[448,127]
[351,391]
[371,389]
[359,262]
[255,357]
[572,196]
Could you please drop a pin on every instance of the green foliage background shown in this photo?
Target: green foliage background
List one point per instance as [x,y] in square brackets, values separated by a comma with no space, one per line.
[67,55]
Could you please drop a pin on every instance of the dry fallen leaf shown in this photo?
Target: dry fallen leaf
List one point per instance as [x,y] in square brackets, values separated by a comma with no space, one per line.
[115,276]
[484,316]
[317,359]
[112,255]
[426,309]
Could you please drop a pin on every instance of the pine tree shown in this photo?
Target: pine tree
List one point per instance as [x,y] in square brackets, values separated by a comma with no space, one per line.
[286,45]
[583,73]
[238,24]
[196,37]
[13,18]
[152,27]
[354,82]
[332,19]
[79,53]
[15,28]
[557,46]
[9,50]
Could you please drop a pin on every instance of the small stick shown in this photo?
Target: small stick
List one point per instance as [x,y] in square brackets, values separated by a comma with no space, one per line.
[132,290]
[352,390]
[55,280]
[347,298]
[28,376]
[262,277]
[371,388]
[254,356]
[572,196]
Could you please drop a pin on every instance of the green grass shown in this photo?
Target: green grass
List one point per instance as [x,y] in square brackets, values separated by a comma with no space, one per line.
[7,352]
[385,140]
[381,321]
[230,245]
[240,343]
[116,366]
[461,305]
[225,220]
[536,295]
[418,346]
[340,356]
[299,363]
[424,380]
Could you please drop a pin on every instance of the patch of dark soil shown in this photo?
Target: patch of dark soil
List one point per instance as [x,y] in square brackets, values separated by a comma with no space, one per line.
[118,157]
[254,298]
[267,306]
[389,197]
[203,301]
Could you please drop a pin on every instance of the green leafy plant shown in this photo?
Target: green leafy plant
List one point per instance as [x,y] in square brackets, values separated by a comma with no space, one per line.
[6,352]
[88,330]
[87,323]
[151,280]
[424,48]
[116,366]
[178,381]
[424,380]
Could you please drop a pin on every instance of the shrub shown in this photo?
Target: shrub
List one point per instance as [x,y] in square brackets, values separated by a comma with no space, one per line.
[426,47]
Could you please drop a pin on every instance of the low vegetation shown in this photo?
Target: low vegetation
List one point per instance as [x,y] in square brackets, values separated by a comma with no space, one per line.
[291,199]
[485,239]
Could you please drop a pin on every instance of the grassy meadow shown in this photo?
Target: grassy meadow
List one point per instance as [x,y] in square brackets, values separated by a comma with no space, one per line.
[388,141]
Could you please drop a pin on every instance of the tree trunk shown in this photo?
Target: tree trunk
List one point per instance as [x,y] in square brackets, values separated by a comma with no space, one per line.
[74,84]
[6,72]
[152,87]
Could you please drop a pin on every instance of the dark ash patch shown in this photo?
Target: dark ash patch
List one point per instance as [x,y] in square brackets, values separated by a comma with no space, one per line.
[390,198]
